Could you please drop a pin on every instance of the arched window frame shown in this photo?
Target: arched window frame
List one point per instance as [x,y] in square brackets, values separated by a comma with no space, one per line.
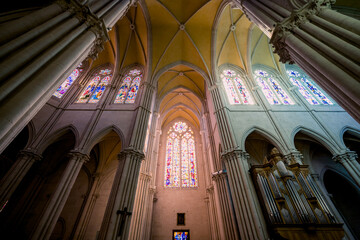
[96,84]
[273,89]
[304,83]
[236,87]
[75,75]
[180,157]
[132,78]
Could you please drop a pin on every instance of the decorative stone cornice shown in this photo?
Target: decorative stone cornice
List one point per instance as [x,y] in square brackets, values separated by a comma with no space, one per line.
[298,17]
[145,176]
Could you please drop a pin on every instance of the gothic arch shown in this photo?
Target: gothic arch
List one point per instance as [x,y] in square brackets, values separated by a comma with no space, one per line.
[159,100]
[56,135]
[320,138]
[349,129]
[91,72]
[32,133]
[96,138]
[267,135]
[174,64]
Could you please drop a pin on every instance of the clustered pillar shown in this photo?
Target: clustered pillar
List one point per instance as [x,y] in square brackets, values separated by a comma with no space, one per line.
[37,55]
[348,160]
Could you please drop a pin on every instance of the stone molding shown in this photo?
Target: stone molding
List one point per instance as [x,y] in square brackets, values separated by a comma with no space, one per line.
[218,175]
[293,158]
[234,154]
[298,17]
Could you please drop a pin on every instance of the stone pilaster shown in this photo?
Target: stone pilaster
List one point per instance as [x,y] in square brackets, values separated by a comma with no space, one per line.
[17,172]
[118,212]
[213,217]
[228,218]
[248,219]
[348,160]
[59,197]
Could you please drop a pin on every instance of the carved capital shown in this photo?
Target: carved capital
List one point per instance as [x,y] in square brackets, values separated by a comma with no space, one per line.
[234,154]
[298,17]
[78,156]
[29,155]
[137,155]
[345,157]
[293,157]
[219,175]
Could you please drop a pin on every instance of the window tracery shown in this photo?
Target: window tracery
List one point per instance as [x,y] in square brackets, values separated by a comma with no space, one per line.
[129,87]
[96,87]
[235,88]
[307,88]
[272,90]
[180,161]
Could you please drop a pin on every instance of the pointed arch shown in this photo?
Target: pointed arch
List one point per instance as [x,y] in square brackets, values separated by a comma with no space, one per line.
[267,135]
[97,137]
[333,149]
[57,135]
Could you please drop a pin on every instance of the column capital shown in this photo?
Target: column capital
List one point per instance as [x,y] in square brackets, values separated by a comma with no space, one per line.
[293,157]
[297,17]
[210,189]
[233,154]
[29,154]
[137,154]
[345,157]
[78,156]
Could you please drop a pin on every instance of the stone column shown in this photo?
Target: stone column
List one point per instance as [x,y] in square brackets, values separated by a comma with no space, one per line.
[348,160]
[244,202]
[59,197]
[321,41]
[214,221]
[61,36]
[14,176]
[120,205]
[228,218]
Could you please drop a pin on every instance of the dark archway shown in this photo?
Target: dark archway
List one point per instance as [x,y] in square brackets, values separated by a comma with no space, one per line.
[346,198]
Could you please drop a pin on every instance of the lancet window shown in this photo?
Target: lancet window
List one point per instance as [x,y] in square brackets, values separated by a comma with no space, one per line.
[180,162]
[307,88]
[235,88]
[272,90]
[129,87]
[96,87]
[59,93]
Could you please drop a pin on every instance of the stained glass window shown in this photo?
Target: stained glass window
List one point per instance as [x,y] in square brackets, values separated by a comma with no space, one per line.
[235,88]
[307,88]
[69,81]
[180,162]
[96,87]
[272,90]
[129,87]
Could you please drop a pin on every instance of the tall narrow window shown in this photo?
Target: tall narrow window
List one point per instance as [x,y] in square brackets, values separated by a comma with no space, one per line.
[235,88]
[59,93]
[180,162]
[307,88]
[271,88]
[129,87]
[96,87]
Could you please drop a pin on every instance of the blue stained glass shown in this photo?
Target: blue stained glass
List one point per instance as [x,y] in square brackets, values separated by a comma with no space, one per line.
[271,89]
[231,81]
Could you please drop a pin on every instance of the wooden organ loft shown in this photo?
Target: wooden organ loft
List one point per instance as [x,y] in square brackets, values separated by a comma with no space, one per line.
[291,201]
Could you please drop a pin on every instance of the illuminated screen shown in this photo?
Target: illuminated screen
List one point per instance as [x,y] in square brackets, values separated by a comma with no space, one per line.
[181,234]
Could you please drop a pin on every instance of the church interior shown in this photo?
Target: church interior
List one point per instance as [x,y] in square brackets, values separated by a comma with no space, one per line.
[180,119]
